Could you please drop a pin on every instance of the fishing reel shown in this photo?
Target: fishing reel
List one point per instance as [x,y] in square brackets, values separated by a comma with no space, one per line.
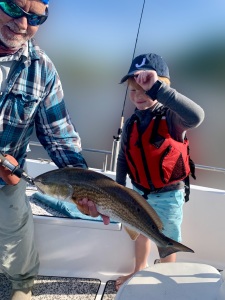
[10,170]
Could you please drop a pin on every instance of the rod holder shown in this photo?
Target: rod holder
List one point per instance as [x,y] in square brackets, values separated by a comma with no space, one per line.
[115,153]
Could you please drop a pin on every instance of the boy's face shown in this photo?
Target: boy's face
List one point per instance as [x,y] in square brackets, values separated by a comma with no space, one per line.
[138,97]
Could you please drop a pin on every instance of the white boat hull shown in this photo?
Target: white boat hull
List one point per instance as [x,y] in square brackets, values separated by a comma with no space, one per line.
[89,249]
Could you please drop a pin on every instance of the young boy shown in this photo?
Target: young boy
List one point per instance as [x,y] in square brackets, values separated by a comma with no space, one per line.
[154,148]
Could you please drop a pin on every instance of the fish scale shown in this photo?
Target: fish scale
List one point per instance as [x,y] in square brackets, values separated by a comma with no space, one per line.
[109,207]
[112,199]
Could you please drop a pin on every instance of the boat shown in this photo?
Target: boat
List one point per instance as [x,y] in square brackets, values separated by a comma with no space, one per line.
[82,258]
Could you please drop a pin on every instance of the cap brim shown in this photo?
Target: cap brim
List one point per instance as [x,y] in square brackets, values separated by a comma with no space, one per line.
[127,76]
[133,72]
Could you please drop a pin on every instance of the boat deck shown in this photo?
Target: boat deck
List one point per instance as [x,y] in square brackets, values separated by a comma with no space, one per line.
[63,288]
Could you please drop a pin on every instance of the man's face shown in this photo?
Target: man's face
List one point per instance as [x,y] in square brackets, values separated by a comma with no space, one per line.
[15,32]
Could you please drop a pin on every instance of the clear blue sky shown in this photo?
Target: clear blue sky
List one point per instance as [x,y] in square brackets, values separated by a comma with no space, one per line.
[93,21]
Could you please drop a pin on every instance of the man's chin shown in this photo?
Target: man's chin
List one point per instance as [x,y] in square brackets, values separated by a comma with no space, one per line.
[11,45]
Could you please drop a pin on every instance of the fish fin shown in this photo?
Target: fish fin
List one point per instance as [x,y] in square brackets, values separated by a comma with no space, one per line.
[70,191]
[146,206]
[132,233]
[172,247]
[164,251]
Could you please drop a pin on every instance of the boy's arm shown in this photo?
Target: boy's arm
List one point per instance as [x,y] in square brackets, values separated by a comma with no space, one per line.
[190,113]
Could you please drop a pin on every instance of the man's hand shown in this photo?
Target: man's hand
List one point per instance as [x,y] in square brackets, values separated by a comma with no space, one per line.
[88,207]
[5,173]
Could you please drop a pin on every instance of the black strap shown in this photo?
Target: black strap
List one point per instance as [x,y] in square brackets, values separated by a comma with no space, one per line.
[187,180]
[186,188]
[133,118]
[129,129]
[155,138]
[155,128]
[192,168]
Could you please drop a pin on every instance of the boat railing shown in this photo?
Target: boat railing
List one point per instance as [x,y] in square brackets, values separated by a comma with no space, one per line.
[114,154]
[105,152]
[209,168]
[106,155]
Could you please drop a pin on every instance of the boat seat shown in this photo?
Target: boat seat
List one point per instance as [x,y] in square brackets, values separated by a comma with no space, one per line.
[174,281]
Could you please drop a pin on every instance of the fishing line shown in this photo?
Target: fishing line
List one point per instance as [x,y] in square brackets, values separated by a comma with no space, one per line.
[124,102]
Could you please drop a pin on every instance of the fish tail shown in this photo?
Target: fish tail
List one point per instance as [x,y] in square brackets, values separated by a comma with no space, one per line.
[172,247]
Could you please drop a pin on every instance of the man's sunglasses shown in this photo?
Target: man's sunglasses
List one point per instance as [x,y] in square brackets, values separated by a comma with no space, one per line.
[16,12]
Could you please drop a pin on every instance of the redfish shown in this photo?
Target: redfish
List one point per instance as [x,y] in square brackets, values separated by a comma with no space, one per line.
[111,199]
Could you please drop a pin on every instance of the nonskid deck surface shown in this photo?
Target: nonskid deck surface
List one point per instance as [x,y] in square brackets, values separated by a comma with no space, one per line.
[41,209]
[63,288]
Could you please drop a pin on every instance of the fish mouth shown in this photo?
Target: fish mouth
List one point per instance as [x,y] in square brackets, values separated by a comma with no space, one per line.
[39,185]
[62,191]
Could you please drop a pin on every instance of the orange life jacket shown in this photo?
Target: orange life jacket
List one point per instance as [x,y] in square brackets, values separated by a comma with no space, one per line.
[154,158]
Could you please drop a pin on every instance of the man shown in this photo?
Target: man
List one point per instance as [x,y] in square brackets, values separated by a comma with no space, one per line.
[31,96]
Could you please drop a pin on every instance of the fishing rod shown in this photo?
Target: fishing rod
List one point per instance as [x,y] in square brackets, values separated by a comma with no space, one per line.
[116,139]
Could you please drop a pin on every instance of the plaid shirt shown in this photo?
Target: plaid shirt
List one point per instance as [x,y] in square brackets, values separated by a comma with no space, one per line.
[33,98]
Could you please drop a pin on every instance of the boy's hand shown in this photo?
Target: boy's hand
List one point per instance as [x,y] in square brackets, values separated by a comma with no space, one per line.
[146,78]
[88,207]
